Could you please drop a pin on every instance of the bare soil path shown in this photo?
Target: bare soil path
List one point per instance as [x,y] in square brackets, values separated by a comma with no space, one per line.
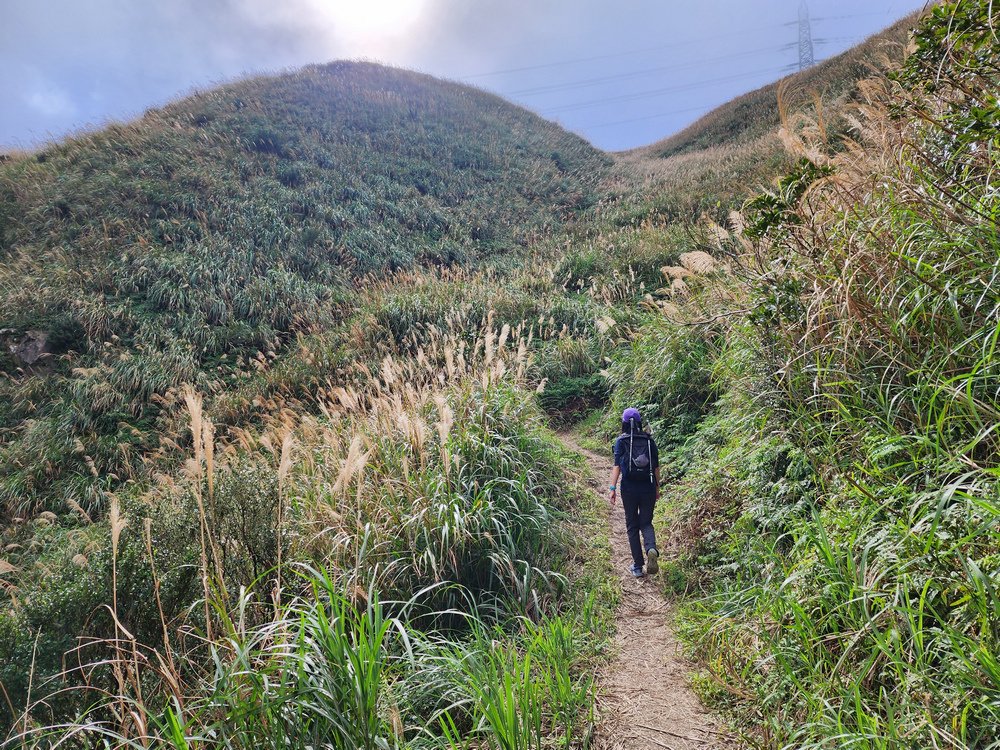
[644,699]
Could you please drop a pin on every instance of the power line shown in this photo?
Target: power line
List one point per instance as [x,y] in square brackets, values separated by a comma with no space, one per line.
[848,17]
[851,40]
[585,83]
[806,59]
[565,62]
[657,92]
[804,43]
[685,43]
[703,107]
[627,53]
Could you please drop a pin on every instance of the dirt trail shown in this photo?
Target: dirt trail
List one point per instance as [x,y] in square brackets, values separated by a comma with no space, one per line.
[644,700]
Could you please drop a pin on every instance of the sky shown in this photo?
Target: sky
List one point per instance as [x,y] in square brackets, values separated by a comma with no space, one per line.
[621,73]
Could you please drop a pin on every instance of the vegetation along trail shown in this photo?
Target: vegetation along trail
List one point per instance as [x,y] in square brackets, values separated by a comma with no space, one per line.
[644,698]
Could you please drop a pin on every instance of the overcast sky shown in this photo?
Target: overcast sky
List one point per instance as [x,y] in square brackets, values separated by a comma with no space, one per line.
[621,73]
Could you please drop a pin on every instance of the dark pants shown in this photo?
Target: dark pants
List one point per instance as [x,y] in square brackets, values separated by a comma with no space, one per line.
[638,505]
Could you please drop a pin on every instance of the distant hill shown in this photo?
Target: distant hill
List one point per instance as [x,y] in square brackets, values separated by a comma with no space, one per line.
[755,114]
[734,151]
[156,252]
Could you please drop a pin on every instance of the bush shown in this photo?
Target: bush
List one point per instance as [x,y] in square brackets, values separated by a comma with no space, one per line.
[666,374]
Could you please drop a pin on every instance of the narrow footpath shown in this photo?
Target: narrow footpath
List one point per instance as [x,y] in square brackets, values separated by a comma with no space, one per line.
[644,700]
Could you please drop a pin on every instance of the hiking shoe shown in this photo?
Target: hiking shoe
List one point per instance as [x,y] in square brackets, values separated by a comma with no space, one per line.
[637,571]
[652,561]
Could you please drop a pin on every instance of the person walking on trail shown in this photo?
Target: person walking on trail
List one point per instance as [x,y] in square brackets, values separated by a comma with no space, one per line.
[637,463]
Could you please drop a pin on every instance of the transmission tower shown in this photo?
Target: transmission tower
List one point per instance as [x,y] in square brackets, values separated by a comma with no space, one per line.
[805,38]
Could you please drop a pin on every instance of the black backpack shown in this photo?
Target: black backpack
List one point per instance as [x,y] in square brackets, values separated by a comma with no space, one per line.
[639,466]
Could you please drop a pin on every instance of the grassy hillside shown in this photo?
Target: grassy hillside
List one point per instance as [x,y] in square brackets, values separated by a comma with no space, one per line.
[833,508]
[197,243]
[225,284]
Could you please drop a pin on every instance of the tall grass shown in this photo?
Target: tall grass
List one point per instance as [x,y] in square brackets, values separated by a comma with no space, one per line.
[854,598]
[430,487]
[334,669]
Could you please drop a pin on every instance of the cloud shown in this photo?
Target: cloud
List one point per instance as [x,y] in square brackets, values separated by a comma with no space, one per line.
[72,64]
[42,95]
[51,102]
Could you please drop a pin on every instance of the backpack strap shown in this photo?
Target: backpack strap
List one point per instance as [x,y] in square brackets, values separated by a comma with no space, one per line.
[631,437]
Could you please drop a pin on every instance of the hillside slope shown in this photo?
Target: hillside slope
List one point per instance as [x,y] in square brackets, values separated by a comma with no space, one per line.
[833,504]
[211,232]
[755,114]
[735,151]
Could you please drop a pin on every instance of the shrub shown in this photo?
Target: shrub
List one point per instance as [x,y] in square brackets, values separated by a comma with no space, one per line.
[666,374]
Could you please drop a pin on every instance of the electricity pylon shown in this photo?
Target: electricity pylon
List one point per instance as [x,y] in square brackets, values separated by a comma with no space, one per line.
[805,38]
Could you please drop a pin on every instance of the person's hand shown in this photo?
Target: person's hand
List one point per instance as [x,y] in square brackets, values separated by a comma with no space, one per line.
[611,496]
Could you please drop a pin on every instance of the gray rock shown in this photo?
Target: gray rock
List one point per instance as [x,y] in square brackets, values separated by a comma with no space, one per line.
[32,347]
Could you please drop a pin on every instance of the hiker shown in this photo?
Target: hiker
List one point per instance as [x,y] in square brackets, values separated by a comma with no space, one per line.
[637,462]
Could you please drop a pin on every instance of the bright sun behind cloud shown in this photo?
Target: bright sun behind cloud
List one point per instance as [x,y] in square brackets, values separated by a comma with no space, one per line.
[368,26]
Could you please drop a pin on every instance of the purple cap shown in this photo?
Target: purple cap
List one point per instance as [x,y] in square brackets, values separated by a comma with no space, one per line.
[631,413]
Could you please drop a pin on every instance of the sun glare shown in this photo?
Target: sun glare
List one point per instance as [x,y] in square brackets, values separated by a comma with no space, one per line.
[365,24]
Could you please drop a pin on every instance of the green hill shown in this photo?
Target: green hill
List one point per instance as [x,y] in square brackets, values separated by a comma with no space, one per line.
[181,246]
[833,505]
